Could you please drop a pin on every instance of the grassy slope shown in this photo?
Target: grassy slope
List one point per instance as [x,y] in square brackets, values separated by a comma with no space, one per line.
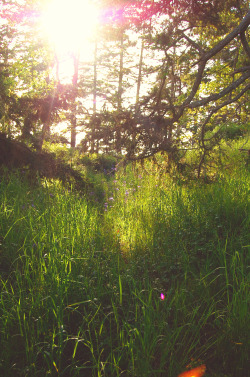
[81,281]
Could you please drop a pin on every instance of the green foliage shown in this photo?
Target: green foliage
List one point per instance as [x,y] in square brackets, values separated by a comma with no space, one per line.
[81,281]
[149,271]
[100,163]
[234,131]
[61,151]
[127,113]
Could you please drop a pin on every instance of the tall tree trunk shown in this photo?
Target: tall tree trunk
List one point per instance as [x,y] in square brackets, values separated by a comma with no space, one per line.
[119,93]
[94,146]
[45,131]
[5,119]
[74,105]
[57,68]
[137,108]
[137,105]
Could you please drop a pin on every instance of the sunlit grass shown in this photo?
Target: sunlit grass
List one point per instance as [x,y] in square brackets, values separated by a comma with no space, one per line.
[82,280]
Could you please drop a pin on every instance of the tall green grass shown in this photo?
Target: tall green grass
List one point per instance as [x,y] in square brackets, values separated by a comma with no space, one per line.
[81,279]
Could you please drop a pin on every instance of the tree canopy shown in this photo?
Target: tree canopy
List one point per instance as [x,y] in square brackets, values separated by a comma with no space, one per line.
[163,76]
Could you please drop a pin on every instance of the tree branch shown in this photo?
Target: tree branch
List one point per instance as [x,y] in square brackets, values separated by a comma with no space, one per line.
[158,96]
[240,29]
[241,69]
[216,96]
[244,43]
[217,108]
[194,88]
[194,44]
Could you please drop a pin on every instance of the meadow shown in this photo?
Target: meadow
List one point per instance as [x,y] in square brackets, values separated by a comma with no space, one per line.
[141,276]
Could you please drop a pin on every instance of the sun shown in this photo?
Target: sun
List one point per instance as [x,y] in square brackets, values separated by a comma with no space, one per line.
[70,25]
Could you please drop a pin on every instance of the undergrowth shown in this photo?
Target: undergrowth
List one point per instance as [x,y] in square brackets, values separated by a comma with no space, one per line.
[142,279]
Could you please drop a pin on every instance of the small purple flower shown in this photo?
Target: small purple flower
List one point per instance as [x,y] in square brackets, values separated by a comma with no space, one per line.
[139,176]
[162,296]
[126,192]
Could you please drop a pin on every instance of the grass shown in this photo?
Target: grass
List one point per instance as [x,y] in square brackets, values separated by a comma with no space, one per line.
[81,279]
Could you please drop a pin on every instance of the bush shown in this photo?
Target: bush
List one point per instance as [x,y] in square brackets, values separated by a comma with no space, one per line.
[100,163]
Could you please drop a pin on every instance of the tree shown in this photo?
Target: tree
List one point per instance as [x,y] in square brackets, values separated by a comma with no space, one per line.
[7,83]
[190,91]
[165,77]
[111,60]
[26,61]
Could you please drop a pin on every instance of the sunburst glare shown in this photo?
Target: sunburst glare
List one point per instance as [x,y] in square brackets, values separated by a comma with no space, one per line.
[70,25]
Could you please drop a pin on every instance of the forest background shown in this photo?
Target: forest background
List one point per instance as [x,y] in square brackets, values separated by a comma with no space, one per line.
[164,76]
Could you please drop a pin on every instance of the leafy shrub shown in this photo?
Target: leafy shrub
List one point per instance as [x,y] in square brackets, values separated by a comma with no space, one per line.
[100,163]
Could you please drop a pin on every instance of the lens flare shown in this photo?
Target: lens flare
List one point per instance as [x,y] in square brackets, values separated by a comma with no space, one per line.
[195,372]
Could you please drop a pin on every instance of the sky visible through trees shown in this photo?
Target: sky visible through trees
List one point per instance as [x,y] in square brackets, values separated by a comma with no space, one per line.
[128,77]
